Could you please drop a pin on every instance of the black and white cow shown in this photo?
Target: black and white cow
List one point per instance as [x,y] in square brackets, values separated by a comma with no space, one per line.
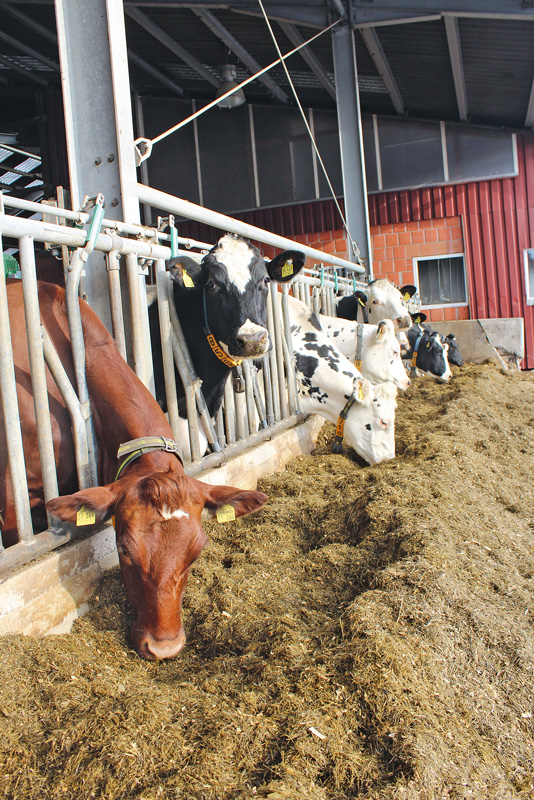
[326,380]
[453,350]
[380,300]
[222,306]
[429,353]
[377,353]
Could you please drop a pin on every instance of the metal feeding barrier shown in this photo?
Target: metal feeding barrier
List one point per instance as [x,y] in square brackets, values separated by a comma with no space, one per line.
[260,398]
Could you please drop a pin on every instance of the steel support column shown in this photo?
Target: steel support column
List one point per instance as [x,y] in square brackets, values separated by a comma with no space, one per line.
[351,141]
[98,121]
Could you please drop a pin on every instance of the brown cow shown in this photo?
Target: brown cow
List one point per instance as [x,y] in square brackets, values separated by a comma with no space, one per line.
[157,507]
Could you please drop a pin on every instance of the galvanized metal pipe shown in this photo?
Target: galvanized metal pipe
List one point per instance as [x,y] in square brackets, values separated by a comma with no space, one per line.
[289,358]
[37,369]
[73,237]
[229,412]
[184,208]
[15,450]
[115,299]
[79,431]
[148,232]
[136,309]
[279,352]
[166,348]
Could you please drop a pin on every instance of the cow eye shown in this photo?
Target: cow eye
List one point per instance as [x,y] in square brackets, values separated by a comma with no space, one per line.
[375,302]
[211,285]
[266,280]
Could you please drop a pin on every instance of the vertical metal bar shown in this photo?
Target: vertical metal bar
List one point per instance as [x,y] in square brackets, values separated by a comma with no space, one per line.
[229,412]
[249,394]
[254,155]
[268,390]
[288,354]
[8,390]
[79,431]
[132,271]
[166,347]
[274,358]
[197,157]
[37,369]
[115,299]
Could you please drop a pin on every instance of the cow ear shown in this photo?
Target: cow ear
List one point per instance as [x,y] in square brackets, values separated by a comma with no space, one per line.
[226,502]
[418,318]
[407,291]
[86,507]
[384,329]
[185,271]
[362,391]
[361,297]
[285,265]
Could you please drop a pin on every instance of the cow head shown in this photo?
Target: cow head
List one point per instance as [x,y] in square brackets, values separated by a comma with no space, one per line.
[234,279]
[370,428]
[383,358]
[159,536]
[431,353]
[453,353]
[385,301]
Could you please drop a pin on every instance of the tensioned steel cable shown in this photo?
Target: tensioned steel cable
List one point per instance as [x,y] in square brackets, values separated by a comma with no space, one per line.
[354,246]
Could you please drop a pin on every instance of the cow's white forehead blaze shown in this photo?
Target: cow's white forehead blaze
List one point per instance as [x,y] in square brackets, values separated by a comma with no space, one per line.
[237,256]
[168,513]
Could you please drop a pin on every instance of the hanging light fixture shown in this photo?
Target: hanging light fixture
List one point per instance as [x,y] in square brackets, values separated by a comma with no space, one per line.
[229,76]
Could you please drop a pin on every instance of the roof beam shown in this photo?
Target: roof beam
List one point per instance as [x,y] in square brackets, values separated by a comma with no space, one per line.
[455,53]
[411,10]
[159,76]
[312,12]
[311,60]
[29,51]
[222,33]
[22,71]
[171,44]
[46,33]
[380,61]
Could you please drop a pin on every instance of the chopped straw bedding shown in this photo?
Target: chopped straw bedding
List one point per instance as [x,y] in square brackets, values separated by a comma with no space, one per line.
[368,634]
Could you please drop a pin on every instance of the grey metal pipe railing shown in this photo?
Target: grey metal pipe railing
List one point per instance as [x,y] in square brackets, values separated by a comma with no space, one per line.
[115,300]
[153,197]
[79,431]
[37,369]
[8,391]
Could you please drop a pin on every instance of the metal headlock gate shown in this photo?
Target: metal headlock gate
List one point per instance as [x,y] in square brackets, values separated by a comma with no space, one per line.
[256,405]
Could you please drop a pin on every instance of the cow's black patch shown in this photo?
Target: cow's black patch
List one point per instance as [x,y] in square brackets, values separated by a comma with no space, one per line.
[368,426]
[314,320]
[326,352]
[306,365]
[314,392]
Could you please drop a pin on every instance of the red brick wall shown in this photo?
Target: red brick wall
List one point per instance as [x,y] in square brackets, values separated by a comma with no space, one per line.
[395,245]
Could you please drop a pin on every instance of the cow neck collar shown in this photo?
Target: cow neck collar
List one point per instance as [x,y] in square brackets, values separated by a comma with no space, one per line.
[359,346]
[146,444]
[340,427]
[216,348]
[413,366]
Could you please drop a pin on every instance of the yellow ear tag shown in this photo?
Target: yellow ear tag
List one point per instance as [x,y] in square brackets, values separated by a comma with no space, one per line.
[406,297]
[287,269]
[188,280]
[113,520]
[85,516]
[360,393]
[225,513]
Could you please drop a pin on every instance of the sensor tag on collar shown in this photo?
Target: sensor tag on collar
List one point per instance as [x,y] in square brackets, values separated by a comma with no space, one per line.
[225,513]
[287,269]
[188,280]
[85,516]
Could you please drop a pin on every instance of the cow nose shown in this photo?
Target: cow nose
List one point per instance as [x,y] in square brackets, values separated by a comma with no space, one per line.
[403,323]
[252,339]
[159,649]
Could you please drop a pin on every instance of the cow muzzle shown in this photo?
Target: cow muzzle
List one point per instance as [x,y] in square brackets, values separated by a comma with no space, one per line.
[159,649]
[252,340]
[403,323]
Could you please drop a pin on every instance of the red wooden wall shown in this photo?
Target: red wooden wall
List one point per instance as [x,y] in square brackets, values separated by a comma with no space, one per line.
[498,223]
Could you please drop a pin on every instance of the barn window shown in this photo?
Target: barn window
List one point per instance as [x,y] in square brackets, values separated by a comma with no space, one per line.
[441,281]
[528,256]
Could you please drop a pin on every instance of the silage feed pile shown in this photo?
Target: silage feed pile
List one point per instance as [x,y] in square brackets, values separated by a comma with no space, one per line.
[368,634]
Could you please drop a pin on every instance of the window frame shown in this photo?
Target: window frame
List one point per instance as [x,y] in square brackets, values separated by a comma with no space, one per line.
[416,259]
[529,290]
